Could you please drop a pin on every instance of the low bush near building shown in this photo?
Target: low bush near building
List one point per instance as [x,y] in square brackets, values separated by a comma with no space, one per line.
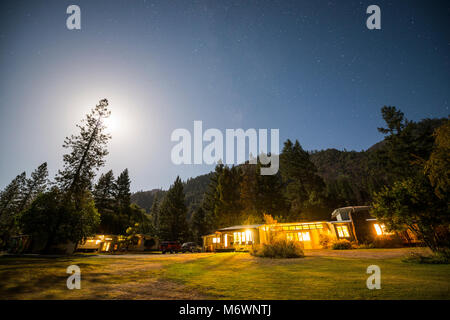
[341,245]
[324,240]
[368,245]
[278,249]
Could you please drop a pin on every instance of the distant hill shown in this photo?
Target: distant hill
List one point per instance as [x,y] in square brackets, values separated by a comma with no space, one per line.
[194,188]
[330,163]
[144,199]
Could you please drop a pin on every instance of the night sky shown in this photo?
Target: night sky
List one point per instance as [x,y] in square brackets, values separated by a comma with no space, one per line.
[309,68]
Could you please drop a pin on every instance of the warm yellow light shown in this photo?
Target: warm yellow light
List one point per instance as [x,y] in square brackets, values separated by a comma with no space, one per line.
[378,229]
[304,236]
[343,231]
[248,235]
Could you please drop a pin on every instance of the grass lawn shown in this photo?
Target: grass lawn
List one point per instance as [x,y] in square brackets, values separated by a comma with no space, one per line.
[320,275]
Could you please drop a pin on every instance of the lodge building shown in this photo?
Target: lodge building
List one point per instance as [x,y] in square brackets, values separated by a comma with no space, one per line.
[352,223]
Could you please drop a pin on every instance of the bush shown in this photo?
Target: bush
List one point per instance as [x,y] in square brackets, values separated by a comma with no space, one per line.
[341,245]
[324,240]
[435,258]
[369,245]
[278,249]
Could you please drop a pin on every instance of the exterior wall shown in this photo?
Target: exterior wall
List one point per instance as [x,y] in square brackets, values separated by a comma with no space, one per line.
[308,234]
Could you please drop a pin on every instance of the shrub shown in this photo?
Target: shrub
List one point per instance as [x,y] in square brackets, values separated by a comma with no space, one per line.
[341,245]
[278,249]
[435,258]
[369,245]
[324,240]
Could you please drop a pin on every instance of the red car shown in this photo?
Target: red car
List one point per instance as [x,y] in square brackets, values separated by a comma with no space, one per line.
[170,246]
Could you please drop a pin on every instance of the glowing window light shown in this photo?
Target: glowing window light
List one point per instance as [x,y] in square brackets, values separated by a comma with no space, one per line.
[343,231]
[216,240]
[304,236]
[225,240]
[248,235]
[380,229]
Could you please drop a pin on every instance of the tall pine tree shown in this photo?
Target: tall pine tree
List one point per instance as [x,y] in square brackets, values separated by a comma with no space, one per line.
[35,185]
[123,194]
[173,211]
[87,152]
[10,203]
[304,187]
[104,191]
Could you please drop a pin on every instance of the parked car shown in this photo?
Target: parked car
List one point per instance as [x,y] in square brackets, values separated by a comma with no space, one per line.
[190,247]
[170,246]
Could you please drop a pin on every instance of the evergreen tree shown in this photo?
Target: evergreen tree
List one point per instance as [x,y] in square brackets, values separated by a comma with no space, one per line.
[12,196]
[123,194]
[35,185]
[228,208]
[199,225]
[173,223]
[154,211]
[88,150]
[304,187]
[249,190]
[10,202]
[270,196]
[405,145]
[437,167]
[104,191]
[211,199]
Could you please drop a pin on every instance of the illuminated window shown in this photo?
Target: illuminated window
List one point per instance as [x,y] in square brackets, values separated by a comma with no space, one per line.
[243,237]
[290,236]
[249,235]
[304,236]
[225,240]
[380,229]
[342,231]
[216,240]
[319,226]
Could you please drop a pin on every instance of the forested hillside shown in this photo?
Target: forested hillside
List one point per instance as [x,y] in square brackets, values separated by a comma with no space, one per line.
[350,177]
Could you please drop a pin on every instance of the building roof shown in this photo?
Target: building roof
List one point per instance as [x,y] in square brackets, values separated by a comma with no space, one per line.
[248,226]
[349,209]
